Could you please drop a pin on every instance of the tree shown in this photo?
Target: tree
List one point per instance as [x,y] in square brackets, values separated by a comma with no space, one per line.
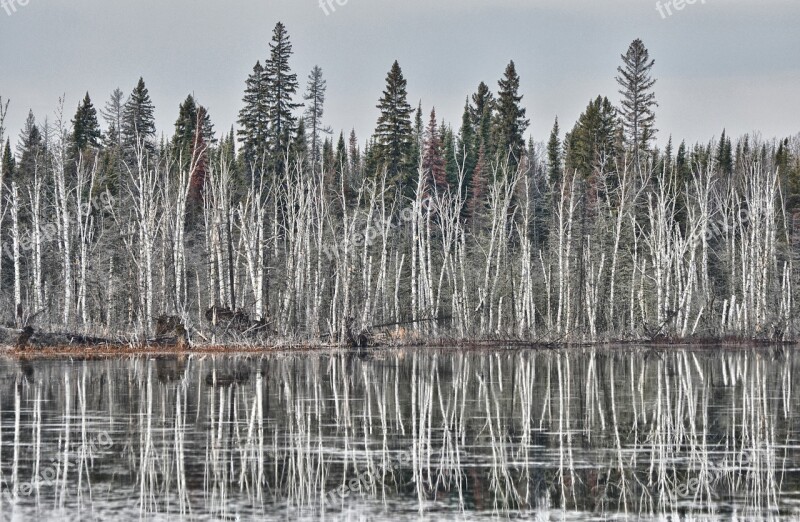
[113,116]
[315,102]
[554,156]
[189,113]
[7,166]
[724,155]
[590,144]
[254,118]
[30,149]
[85,128]
[281,89]
[138,122]
[393,134]
[433,163]
[481,112]
[638,100]
[509,123]
[467,150]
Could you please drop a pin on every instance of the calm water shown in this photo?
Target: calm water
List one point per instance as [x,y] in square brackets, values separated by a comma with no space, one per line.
[572,434]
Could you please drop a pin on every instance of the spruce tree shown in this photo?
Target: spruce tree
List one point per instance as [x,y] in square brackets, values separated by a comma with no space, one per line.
[433,163]
[138,123]
[638,100]
[554,156]
[85,128]
[254,119]
[186,126]
[315,102]
[467,150]
[281,89]
[30,149]
[481,111]
[509,123]
[591,143]
[8,164]
[724,155]
[394,137]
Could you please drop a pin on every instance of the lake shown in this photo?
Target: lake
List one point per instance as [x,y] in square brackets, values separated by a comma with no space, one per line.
[566,434]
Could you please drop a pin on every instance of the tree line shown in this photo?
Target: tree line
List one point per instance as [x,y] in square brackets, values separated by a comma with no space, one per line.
[432,230]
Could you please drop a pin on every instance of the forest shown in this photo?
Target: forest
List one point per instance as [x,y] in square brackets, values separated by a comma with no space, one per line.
[285,231]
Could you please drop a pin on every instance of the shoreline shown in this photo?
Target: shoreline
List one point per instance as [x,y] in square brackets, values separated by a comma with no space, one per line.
[110,350]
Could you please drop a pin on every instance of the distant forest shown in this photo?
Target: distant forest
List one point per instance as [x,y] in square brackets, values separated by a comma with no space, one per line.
[283,230]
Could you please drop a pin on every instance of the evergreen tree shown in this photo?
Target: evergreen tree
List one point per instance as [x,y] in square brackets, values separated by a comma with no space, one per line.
[467,150]
[138,123]
[299,148]
[554,156]
[394,137]
[591,143]
[418,139]
[281,89]
[509,123]
[433,163]
[481,111]
[724,155]
[315,101]
[113,116]
[449,154]
[638,100]
[8,164]
[186,127]
[85,128]
[254,119]
[30,150]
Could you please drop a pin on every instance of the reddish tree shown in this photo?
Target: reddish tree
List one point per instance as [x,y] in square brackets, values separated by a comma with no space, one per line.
[477,186]
[199,165]
[433,164]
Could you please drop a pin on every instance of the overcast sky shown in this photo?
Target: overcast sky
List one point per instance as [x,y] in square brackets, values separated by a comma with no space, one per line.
[722,63]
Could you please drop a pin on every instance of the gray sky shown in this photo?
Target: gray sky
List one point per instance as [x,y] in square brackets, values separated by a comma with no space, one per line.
[722,63]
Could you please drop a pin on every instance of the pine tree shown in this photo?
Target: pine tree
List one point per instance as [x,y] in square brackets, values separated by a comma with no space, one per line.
[433,163]
[281,89]
[85,128]
[254,119]
[138,123]
[113,116]
[638,100]
[394,134]
[315,101]
[509,123]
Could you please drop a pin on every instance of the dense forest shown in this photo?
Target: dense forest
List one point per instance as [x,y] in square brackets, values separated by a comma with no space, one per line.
[424,230]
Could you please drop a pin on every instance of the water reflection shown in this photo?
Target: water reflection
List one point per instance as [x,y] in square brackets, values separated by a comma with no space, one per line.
[552,434]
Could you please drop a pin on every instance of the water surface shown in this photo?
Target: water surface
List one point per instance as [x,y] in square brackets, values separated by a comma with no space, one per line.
[403,435]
